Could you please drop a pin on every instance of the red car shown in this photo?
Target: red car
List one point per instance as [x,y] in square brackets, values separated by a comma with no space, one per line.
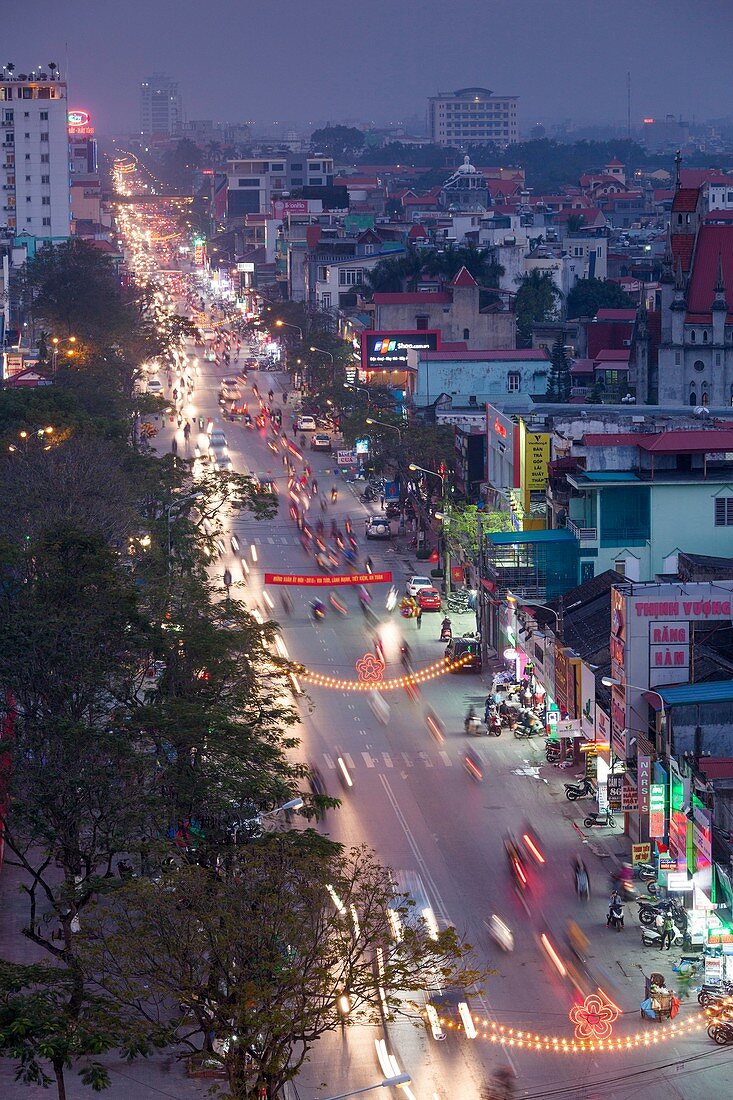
[428,599]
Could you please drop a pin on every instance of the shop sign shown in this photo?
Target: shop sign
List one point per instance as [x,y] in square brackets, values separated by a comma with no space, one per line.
[603,725]
[388,350]
[713,964]
[701,837]
[345,458]
[536,458]
[641,853]
[666,863]
[629,798]
[561,678]
[614,787]
[684,607]
[565,727]
[657,799]
[679,882]
[715,938]
[643,781]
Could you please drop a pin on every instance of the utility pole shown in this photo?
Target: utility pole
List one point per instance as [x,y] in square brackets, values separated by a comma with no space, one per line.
[628,106]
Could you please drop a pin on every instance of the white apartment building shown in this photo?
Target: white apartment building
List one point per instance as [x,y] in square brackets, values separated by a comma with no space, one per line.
[34,155]
[160,106]
[252,185]
[471,116]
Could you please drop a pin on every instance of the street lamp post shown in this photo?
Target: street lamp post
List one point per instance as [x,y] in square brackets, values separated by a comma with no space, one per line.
[383,424]
[516,602]
[446,552]
[609,681]
[287,324]
[322,351]
[388,1082]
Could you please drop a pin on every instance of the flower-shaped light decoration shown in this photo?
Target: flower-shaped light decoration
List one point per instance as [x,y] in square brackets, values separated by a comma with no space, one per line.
[594,1018]
[370,668]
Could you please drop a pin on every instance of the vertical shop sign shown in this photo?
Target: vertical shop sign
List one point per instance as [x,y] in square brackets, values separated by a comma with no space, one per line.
[657,793]
[643,782]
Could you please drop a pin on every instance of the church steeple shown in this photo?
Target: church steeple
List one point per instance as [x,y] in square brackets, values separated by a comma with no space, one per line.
[719,302]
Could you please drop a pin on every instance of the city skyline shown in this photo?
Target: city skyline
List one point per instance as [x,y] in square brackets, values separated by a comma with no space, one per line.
[257,63]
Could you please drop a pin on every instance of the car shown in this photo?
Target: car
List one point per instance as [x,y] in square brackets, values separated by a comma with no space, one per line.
[229,383]
[155,385]
[415,583]
[428,599]
[378,527]
[321,442]
[305,424]
[470,648]
[217,439]
[220,458]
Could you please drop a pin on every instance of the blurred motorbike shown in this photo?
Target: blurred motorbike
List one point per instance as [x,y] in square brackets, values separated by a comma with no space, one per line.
[500,932]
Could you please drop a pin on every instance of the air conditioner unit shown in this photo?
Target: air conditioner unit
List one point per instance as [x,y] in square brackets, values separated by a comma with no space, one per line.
[627,343]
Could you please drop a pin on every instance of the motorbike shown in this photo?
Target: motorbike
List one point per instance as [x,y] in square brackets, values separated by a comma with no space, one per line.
[579,790]
[647,872]
[525,728]
[473,765]
[603,821]
[652,937]
[493,724]
[615,916]
[500,932]
[318,611]
[471,724]
[446,631]
[714,993]
[721,1032]
[648,913]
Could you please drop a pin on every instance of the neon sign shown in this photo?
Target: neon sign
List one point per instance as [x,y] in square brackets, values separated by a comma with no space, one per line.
[79,123]
[499,429]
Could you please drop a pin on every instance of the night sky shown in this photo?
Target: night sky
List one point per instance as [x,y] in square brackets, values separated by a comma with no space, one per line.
[378,60]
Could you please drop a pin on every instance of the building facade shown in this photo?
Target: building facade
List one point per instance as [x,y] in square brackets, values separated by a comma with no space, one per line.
[34,168]
[473,116]
[160,106]
[253,185]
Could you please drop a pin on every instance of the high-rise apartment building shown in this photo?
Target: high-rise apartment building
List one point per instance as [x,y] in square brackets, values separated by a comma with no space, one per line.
[34,154]
[160,106]
[472,116]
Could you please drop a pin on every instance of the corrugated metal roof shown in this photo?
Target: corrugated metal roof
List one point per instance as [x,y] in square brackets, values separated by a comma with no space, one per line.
[506,538]
[716,691]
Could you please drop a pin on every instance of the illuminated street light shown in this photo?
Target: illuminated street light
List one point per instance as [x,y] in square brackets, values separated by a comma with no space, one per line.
[383,424]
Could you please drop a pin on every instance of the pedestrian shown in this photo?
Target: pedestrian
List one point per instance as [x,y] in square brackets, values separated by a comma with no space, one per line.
[418,617]
[186,431]
[174,445]
[667,933]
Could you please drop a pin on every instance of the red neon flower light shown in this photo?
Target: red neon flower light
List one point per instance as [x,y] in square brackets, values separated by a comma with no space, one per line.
[594,1019]
[370,668]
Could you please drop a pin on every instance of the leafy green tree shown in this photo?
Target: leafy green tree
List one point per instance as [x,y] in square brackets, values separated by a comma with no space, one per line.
[49,1019]
[343,143]
[590,295]
[479,262]
[464,522]
[559,380]
[537,300]
[260,959]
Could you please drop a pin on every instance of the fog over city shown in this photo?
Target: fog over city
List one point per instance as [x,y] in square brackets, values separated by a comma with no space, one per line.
[325,60]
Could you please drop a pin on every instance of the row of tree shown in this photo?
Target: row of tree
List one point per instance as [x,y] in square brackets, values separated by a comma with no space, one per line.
[145,731]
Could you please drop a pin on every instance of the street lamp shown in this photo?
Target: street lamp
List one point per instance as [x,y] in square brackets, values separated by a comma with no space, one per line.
[356,388]
[511,599]
[286,324]
[387,1083]
[383,424]
[286,808]
[322,351]
[413,466]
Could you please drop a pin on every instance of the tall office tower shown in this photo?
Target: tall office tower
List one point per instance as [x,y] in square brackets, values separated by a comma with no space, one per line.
[34,154]
[160,106]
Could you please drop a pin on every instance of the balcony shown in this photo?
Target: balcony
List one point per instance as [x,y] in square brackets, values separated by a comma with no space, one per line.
[586,536]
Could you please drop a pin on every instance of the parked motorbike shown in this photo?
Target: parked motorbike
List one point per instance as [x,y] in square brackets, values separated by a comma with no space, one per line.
[647,872]
[649,911]
[721,1032]
[714,993]
[493,725]
[603,821]
[579,790]
[652,937]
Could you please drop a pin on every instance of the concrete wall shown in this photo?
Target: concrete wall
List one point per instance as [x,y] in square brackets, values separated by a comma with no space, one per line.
[486,331]
[486,380]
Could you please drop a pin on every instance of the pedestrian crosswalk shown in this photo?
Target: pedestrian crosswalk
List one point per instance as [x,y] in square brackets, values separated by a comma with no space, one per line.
[395,761]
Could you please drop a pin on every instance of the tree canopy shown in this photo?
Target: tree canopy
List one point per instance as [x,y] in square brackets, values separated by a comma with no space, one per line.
[590,295]
[343,143]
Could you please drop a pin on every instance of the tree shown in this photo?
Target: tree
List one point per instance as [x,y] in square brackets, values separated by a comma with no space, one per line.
[343,143]
[479,262]
[464,524]
[260,959]
[48,1018]
[575,222]
[537,300]
[559,379]
[590,295]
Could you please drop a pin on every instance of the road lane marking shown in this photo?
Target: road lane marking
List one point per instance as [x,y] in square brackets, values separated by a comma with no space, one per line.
[406,758]
[367,760]
[445,758]
[425,759]
[329,760]
[348,760]
[387,760]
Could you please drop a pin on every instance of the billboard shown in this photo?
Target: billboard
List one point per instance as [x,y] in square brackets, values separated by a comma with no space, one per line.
[79,124]
[388,350]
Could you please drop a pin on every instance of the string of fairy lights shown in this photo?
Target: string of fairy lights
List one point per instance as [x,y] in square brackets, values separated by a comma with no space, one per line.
[504,1036]
[430,672]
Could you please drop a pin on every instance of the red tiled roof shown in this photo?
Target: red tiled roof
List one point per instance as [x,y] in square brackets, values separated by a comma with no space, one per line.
[513,355]
[689,442]
[713,242]
[662,194]
[716,767]
[719,216]
[616,315]
[686,200]
[682,245]
[696,177]
[613,439]
[582,366]
[415,297]
[613,355]
[463,278]
[607,334]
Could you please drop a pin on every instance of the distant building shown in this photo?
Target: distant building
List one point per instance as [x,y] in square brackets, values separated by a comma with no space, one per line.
[473,116]
[34,168]
[252,185]
[665,134]
[466,189]
[160,106]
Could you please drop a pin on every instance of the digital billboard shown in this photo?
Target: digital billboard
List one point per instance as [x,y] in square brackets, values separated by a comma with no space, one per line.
[388,350]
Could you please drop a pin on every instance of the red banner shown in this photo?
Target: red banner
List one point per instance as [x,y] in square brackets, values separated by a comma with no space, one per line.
[326,579]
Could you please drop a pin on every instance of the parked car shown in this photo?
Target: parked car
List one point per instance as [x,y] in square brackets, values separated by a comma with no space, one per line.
[470,648]
[428,599]
[415,583]
[306,424]
[378,527]
[321,442]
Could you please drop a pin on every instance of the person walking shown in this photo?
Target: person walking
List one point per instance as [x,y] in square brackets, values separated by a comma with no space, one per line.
[418,617]
[667,933]
[174,445]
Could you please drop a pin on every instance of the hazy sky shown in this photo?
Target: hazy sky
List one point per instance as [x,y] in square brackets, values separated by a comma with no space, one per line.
[379,60]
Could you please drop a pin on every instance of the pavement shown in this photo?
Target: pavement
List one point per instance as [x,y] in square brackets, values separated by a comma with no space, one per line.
[414,803]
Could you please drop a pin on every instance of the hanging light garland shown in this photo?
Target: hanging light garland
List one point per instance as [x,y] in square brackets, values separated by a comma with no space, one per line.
[431,672]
